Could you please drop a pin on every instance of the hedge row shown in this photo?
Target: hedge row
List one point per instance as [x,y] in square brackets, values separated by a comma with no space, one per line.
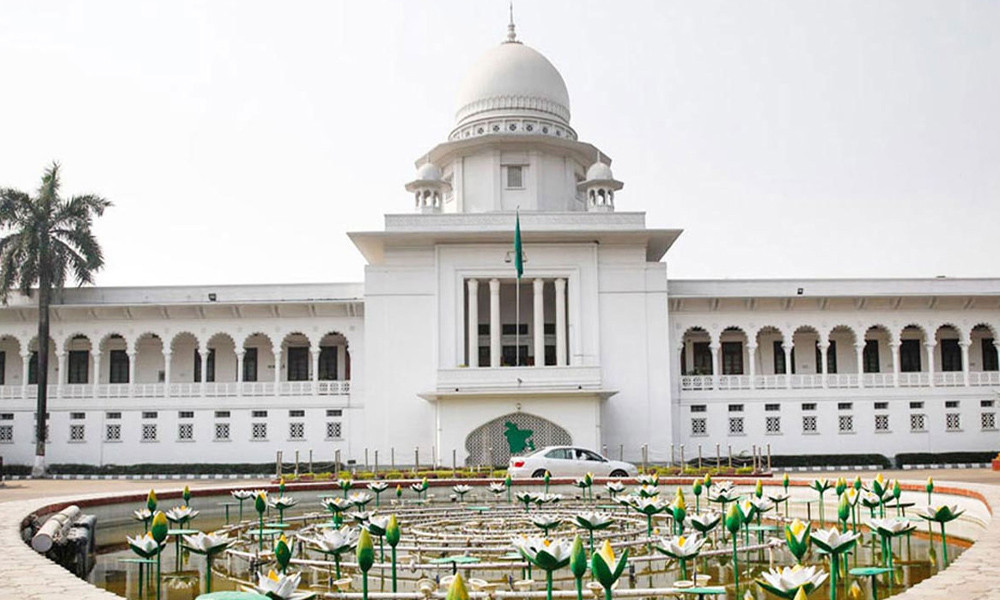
[822,460]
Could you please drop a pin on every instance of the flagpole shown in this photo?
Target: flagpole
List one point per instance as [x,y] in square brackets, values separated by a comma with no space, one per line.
[517,324]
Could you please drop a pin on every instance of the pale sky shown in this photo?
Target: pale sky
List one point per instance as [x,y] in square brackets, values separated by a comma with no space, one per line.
[239,141]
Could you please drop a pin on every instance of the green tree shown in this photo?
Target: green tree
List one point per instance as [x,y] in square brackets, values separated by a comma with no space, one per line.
[43,241]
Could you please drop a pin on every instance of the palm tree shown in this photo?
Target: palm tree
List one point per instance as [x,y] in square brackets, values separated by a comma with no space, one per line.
[44,240]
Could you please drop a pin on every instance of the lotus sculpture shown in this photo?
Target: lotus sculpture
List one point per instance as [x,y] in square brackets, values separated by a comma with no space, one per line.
[548,555]
[941,514]
[788,582]
[606,568]
[681,548]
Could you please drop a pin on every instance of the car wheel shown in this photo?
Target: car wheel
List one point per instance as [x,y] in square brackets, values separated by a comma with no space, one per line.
[539,473]
[619,473]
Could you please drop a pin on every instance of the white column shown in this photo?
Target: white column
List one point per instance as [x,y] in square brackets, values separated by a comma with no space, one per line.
[788,363]
[538,327]
[277,369]
[240,352]
[203,366]
[859,351]
[25,363]
[97,371]
[61,378]
[473,324]
[131,367]
[930,363]
[894,350]
[315,373]
[824,347]
[166,373]
[752,357]
[715,347]
[561,322]
[494,322]
[965,362]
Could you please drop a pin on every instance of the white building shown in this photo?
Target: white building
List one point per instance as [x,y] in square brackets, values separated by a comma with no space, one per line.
[434,351]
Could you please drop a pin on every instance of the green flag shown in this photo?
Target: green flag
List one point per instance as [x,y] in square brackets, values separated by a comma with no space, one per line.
[518,258]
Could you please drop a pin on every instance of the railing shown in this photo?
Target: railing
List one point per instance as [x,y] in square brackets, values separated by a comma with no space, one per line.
[218,389]
[914,379]
[807,382]
[734,382]
[842,380]
[879,380]
[984,378]
[771,382]
[696,383]
[949,379]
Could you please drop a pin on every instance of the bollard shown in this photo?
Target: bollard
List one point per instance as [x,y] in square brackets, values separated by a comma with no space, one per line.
[434,458]
[366,459]
[454,462]
[769,458]
[277,464]
[489,458]
[621,451]
[645,456]
[296,463]
[336,463]
[604,450]
[311,460]
[683,464]
[672,456]
[392,458]
[718,457]
[416,459]
[699,457]
[753,457]
[376,464]
[730,456]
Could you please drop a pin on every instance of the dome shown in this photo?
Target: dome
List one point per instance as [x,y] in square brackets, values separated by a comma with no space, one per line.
[512,79]
[599,172]
[428,172]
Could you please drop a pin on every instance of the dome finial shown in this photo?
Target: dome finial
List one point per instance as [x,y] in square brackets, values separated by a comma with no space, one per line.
[511,33]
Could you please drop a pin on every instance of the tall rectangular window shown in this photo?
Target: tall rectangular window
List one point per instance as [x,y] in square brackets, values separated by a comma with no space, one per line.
[298,364]
[702,356]
[732,358]
[870,356]
[33,368]
[951,355]
[3,368]
[327,363]
[990,362]
[78,365]
[909,356]
[118,371]
[779,357]
[209,365]
[515,177]
[249,364]
[831,357]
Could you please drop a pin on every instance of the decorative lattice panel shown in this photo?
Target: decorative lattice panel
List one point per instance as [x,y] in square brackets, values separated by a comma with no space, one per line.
[517,433]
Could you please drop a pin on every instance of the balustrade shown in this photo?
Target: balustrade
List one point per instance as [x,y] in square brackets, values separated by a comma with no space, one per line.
[218,389]
[701,383]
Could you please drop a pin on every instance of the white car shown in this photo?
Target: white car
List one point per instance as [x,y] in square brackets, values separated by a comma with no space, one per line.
[568,461]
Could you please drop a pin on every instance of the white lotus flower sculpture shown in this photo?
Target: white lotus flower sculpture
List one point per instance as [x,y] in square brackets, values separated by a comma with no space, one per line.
[704,522]
[497,487]
[614,487]
[144,545]
[208,545]
[280,587]
[681,548]
[546,522]
[359,499]
[335,542]
[787,581]
[461,489]
[942,513]
[181,514]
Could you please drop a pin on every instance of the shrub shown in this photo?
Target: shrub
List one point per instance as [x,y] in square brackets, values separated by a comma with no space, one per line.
[927,458]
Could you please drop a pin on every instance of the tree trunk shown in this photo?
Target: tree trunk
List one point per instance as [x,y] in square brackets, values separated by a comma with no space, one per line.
[41,409]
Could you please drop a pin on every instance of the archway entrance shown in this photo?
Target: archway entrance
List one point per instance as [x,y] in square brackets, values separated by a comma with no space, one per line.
[493,443]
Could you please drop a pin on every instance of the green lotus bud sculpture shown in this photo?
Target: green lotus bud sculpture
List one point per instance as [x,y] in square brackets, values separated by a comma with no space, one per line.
[282,553]
[365,555]
[260,504]
[457,589]
[843,510]
[151,501]
[679,511]
[578,564]
[733,521]
[158,531]
[186,495]
[929,488]
[758,489]
[696,489]
[392,535]
[606,569]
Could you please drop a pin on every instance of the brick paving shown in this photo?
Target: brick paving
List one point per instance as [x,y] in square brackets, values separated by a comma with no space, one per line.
[27,575]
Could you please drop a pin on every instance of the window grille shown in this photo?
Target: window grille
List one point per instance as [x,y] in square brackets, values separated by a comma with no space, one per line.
[699,426]
[699,408]
[297,430]
[951,404]
[334,412]
[296,413]
[808,406]
[222,431]
[881,406]
[77,416]
[149,432]
[881,422]
[772,425]
[772,407]
[916,405]
[735,425]
[149,415]
[845,405]
[185,431]
[918,422]
[735,408]
[76,433]
[809,424]
[258,431]
[845,423]
[6,434]
[185,414]
[989,421]
[222,414]
[259,414]
[953,422]
[333,430]
[113,432]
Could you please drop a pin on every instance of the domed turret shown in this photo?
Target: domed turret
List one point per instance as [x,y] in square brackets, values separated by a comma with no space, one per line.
[512,90]
[600,187]
[428,188]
